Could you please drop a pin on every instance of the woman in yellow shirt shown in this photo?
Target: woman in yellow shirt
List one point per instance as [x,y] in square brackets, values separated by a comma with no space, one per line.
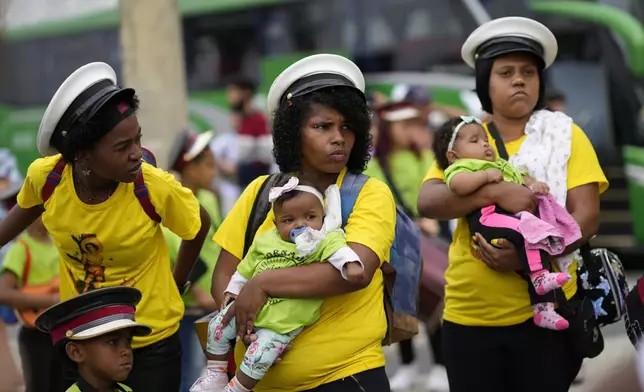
[490,341]
[321,131]
[103,207]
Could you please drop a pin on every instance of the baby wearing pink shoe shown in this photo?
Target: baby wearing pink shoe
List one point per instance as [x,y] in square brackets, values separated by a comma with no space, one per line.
[463,150]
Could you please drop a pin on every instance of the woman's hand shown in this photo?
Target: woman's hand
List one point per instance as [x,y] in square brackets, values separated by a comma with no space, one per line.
[245,308]
[501,257]
[514,198]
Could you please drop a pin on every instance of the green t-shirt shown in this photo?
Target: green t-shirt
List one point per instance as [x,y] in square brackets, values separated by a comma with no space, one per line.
[268,252]
[210,251]
[407,173]
[44,260]
[510,173]
[119,388]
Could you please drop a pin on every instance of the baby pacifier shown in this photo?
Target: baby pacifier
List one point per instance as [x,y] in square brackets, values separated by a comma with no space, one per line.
[297,231]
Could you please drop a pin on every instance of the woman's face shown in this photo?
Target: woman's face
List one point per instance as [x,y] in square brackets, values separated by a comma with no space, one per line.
[327,140]
[514,85]
[117,156]
[403,133]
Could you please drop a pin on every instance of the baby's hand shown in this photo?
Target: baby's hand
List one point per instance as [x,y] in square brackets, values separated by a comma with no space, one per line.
[228,298]
[354,272]
[540,188]
[493,175]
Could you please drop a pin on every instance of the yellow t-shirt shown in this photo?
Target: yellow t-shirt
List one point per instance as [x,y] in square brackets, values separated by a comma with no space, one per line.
[476,295]
[347,337]
[115,243]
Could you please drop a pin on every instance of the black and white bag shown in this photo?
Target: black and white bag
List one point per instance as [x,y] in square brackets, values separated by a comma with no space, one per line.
[603,281]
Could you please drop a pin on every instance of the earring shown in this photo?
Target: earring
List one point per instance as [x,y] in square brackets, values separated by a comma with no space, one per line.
[86,172]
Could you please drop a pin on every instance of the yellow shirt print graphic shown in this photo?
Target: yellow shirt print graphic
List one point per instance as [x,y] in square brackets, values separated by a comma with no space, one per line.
[90,256]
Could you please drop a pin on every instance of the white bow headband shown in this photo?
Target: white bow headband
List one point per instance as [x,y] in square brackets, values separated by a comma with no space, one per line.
[293,185]
[464,120]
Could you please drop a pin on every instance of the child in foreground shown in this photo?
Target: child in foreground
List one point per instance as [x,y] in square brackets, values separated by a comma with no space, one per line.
[463,151]
[94,330]
[305,232]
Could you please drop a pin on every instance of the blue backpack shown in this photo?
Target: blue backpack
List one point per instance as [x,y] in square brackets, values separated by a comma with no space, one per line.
[402,274]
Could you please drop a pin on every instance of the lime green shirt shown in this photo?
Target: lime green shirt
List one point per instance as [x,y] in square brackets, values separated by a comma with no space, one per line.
[407,173]
[120,388]
[268,252]
[210,250]
[44,261]
[510,173]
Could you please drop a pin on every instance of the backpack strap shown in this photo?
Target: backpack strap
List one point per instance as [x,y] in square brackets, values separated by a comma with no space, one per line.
[349,190]
[142,194]
[500,145]
[53,179]
[27,269]
[261,207]
[141,190]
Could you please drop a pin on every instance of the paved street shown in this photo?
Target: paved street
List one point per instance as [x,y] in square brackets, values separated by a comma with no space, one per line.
[617,350]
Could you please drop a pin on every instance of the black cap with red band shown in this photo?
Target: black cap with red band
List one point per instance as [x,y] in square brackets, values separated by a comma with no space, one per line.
[93,314]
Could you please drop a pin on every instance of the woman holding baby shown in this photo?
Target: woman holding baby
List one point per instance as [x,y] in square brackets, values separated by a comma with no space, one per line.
[321,135]
[492,339]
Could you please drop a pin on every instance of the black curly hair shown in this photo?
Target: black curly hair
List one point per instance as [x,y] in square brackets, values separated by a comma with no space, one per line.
[289,119]
[441,141]
[85,134]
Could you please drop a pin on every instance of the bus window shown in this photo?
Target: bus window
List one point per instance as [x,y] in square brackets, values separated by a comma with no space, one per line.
[412,35]
[218,46]
[33,69]
[312,26]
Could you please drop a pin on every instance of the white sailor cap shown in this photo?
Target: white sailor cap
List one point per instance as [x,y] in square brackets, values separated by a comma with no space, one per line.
[188,147]
[314,73]
[510,35]
[398,111]
[80,96]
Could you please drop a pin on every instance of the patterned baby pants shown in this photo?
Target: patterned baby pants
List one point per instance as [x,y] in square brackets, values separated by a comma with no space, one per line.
[260,355]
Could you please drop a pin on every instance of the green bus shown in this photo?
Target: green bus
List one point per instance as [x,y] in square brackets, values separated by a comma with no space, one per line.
[393,42]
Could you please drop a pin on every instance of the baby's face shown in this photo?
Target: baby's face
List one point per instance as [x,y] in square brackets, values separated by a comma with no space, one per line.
[471,142]
[304,210]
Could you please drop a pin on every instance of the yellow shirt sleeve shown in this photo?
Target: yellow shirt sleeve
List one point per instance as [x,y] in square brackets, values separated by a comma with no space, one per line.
[434,173]
[373,219]
[31,193]
[230,235]
[583,165]
[177,205]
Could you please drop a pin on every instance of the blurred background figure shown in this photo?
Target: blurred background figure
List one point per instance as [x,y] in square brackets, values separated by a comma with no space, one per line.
[402,156]
[254,141]
[29,285]
[194,163]
[555,100]
[10,182]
